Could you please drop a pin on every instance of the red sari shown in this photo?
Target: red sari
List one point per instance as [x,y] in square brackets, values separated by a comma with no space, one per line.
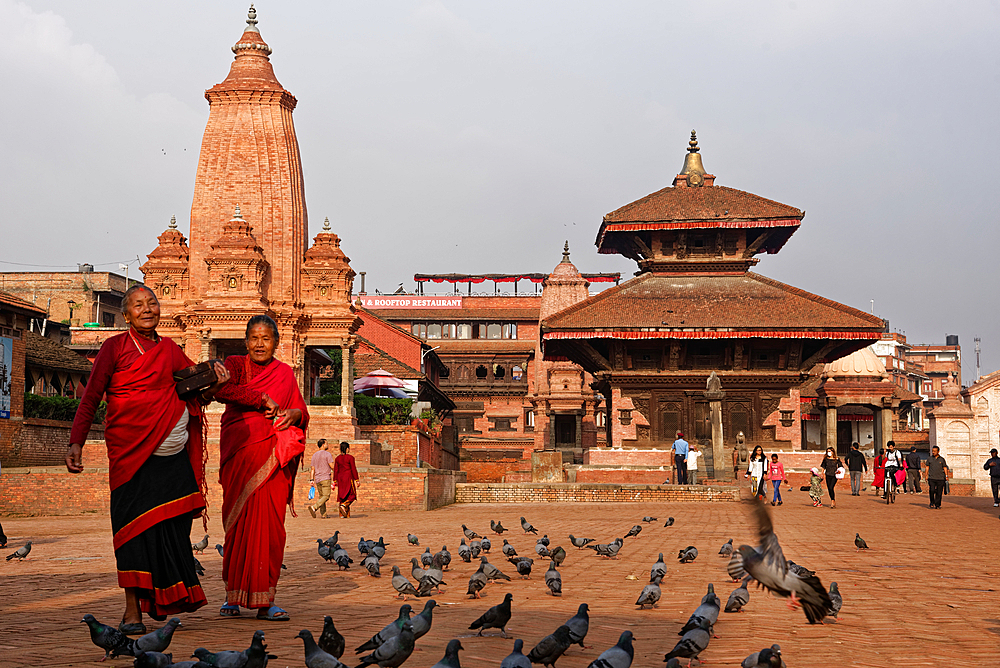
[257,483]
[879,471]
[345,472]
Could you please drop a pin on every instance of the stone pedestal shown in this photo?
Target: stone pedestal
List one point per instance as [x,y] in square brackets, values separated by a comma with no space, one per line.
[546,466]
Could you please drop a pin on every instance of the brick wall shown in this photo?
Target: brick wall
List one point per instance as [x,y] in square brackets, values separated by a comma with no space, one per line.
[628,457]
[40,443]
[404,441]
[577,492]
[623,475]
[494,470]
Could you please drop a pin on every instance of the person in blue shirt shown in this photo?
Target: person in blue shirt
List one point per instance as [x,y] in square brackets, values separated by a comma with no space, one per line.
[680,450]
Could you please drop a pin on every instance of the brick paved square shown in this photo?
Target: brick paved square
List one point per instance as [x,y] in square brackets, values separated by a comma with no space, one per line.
[924,595]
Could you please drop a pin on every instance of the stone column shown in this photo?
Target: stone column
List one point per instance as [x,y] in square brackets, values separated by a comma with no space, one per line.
[551,445]
[885,428]
[828,428]
[715,395]
[579,430]
[346,377]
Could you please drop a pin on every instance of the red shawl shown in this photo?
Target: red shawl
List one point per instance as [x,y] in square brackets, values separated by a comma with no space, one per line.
[248,439]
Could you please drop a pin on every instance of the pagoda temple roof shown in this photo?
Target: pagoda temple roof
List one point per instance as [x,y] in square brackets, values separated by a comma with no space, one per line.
[656,305]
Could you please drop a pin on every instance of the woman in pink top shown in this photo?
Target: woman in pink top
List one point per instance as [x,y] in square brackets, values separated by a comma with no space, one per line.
[776,474]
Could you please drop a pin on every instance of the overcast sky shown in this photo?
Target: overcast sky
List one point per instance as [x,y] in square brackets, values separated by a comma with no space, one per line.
[477,137]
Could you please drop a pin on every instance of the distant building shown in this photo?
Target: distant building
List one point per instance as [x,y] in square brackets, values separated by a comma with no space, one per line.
[77,298]
[937,362]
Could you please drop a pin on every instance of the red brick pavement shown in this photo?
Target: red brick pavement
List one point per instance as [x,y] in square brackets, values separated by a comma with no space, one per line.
[924,595]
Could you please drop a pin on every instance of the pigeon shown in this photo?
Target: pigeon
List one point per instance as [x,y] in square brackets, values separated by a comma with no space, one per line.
[516,659]
[508,549]
[693,643]
[688,554]
[767,565]
[401,584]
[422,623]
[801,571]
[435,572]
[495,618]
[378,549]
[324,550]
[647,519]
[658,569]
[650,595]
[316,656]
[836,601]
[363,547]
[735,567]
[634,531]
[426,557]
[416,571]
[220,550]
[391,630]
[618,656]
[578,625]
[189,664]
[477,582]
[497,528]
[341,557]
[198,568]
[330,640]
[256,653]
[491,571]
[708,610]
[673,662]
[544,540]
[445,557]
[152,659]
[332,540]
[669,522]
[551,647]
[158,640]
[558,555]
[541,550]
[21,552]
[111,640]
[766,658]
[469,533]
[553,580]
[859,543]
[486,544]
[224,659]
[373,565]
[393,652]
[609,550]
[727,549]
[450,658]
[579,543]
[412,540]
[200,546]
[523,566]
[476,546]
[464,552]
[528,529]
[739,598]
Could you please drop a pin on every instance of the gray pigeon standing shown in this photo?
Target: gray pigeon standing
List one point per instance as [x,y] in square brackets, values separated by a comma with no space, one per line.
[650,595]
[516,659]
[464,552]
[200,546]
[426,557]
[658,569]
[618,656]
[508,549]
[859,543]
[727,549]
[578,625]
[693,643]
[579,543]
[333,540]
[373,565]
[495,618]
[220,549]
[111,640]
[152,660]
[198,568]
[475,546]
[401,584]
[558,555]
[634,531]
[469,533]
[390,630]
[224,659]
[158,640]
[394,652]
[315,656]
[523,566]
[708,610]
[21,552]
[541,550]
[324,550]
[343,560]
[769,657]
[256,654]
[544,540]
[669,522]
[491,571]
[687,555]
[330,640]
[450,658]
[527,527]
[739,597]
[412,540]
[836,601]
[422,623]
[553,580]
[551,647]
[647,519]
[498,527]
[477,582]
[445,557]
[486,544]
[378,549]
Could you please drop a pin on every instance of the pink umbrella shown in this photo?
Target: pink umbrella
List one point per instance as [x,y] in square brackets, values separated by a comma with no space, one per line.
[377,380]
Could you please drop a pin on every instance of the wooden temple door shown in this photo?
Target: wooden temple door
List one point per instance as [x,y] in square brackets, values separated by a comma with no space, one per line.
[669,422]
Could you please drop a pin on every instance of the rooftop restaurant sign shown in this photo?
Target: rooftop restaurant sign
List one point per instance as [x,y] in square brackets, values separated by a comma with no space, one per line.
[408,301]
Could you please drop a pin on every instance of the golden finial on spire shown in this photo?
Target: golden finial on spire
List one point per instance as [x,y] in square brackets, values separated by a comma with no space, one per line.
[251,20]
[237,213]
[326,224]
[693,168]
[693,144]
[566,251]
[173,223]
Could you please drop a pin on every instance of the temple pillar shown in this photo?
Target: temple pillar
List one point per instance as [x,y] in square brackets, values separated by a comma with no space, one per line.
[885,428]
[551,445]
[346,377]
[828,428]
[579,430]
[715,395]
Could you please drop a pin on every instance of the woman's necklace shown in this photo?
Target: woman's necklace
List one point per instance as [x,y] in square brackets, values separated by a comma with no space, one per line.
[136,342]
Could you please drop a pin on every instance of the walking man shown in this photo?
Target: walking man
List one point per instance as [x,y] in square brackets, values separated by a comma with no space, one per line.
[913,471]
[856,463]
[937,473]
[692,464]
[322,462]
[680,449]
[992,465]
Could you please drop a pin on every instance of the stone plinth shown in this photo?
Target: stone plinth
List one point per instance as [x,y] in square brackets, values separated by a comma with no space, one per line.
[546,466]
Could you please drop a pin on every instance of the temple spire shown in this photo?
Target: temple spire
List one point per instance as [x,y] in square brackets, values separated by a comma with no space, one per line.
[251,20]
[326,224]
[173,223]
[566,251]
[692,161]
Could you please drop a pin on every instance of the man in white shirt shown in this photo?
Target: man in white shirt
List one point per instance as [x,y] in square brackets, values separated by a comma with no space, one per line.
[692,464]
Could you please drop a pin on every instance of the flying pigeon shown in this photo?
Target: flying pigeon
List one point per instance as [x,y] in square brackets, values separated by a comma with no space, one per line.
[688,554]
[497,527]
[158,640]
[650,595]
[739,597]
[464,553]
[450,658]
[859,543]
[401,584]
[523,566]
[693,643]
[618,656]
[647,519]
[708,610]
[422,623]
[727,549]
[330,640]
[516,659]
[578,625]
[528,529]
[836,601]
[669,522]
[316,656]
[579,543]
[469,533]
[21,552]
[658,569]
[553,580]
[767,565]
[390,630]
[393,652]
[495,618]
[634,531]
[111,640]
[801,571]
[200,546]
[551,647]
[412,540]
[485,544]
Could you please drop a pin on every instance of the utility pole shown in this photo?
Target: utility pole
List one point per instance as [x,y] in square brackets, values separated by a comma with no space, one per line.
[977,358]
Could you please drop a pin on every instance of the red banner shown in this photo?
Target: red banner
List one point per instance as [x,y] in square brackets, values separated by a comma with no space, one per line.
[408,301]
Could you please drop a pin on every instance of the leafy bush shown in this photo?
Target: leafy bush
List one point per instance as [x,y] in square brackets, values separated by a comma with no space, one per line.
[382,411]
[57,408]
[325,400]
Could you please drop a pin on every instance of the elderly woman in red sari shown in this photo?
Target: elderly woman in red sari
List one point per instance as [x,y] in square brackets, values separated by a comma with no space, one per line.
[261,443]
[156,462]
[345,472]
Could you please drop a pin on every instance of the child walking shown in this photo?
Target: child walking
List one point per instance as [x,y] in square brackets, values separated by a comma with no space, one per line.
[776,474]
[816,487]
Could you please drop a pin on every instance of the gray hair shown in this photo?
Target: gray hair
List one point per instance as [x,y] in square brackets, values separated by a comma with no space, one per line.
[137,287]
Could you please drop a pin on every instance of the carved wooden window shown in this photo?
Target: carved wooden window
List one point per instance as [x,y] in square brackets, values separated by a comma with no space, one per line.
[482,372]
[670,420]
[739,420]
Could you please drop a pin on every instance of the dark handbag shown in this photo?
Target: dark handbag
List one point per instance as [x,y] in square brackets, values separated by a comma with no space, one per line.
[195,379]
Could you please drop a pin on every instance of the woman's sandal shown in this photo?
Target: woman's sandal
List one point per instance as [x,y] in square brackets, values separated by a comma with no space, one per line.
[229,611]
[274,614]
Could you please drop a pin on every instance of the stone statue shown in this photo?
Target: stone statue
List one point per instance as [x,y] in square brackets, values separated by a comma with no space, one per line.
[713,384]
[741,444]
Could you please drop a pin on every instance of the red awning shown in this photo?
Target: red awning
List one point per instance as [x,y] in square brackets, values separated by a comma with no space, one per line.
[715,334]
